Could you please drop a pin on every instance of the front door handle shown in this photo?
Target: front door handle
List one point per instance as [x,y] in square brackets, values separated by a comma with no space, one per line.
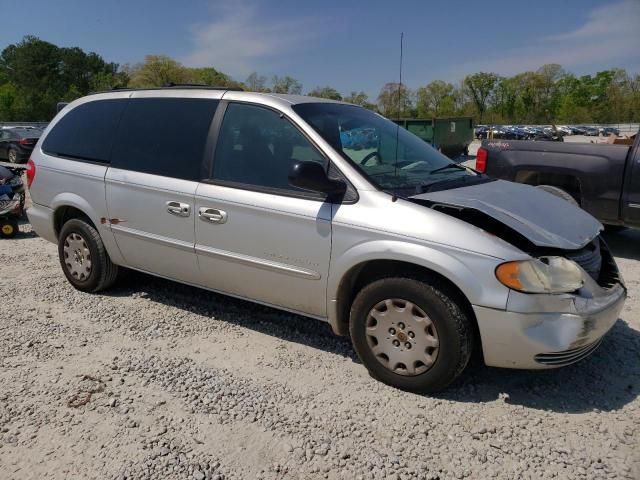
[212,215]
[179,209]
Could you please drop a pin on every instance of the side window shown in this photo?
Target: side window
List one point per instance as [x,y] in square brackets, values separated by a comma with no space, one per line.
[86,132]
[5,135]
[257,146]
[164,136]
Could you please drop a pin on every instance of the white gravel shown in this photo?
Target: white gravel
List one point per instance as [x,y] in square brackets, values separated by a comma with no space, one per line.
[189,384]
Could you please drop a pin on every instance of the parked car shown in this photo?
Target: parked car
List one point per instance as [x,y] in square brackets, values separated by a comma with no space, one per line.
[591,131]
[17,143]
[607,131]
[603,179]
[418,259]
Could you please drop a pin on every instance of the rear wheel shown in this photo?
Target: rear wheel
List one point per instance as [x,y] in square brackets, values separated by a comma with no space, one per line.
[411,334]
[9,228]
[83,257]
[13,156]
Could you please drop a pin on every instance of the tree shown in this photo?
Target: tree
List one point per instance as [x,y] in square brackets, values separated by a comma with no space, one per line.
[157,71]
[435,99]
[212,77]
[256,83]
[394,100]
[359,98]
[480,87]
[286,84]
[325,92]
[43,74]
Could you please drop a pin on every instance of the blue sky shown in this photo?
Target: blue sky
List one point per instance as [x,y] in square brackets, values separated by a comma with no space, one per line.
[349,45]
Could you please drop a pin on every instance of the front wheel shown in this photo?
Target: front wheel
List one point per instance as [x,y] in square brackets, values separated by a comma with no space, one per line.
[83,257]
[411,334]
[13,156]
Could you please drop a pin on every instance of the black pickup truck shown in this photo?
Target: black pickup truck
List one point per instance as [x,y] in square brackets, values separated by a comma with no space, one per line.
[603,179]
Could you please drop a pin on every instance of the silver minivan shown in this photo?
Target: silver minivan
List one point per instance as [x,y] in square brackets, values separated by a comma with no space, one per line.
[327,210]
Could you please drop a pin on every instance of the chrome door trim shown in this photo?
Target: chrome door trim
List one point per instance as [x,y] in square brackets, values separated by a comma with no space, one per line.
[212,215]
[178,209]
[258,262]
[151,237]
[634,205]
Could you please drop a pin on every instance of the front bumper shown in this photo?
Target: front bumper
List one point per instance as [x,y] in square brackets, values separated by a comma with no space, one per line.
[548,331]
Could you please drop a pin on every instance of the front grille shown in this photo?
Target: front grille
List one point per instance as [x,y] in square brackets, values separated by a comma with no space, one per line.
[589,258]
[609,274]
[566,357]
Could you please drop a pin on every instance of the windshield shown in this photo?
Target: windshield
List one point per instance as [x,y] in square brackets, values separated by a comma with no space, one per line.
[388,155]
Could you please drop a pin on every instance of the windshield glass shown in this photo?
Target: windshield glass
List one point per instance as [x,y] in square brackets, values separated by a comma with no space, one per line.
[388,155]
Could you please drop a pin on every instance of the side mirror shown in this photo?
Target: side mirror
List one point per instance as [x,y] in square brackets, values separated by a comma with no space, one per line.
[312,176]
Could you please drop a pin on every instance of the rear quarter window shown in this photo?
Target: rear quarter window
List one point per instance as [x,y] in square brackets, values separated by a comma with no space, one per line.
[86,132]
[164,136]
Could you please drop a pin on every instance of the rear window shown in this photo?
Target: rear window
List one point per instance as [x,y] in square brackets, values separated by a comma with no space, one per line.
[164,136]
[27,132]
[86,132]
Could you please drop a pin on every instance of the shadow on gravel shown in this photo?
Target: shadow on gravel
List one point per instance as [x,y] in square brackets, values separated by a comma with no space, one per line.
[607,380]
[266,320]
[624,243]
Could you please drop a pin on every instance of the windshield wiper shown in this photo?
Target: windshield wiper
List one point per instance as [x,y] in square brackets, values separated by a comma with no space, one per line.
[448,166]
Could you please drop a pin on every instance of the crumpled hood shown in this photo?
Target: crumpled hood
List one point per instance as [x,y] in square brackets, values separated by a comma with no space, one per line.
[546,220]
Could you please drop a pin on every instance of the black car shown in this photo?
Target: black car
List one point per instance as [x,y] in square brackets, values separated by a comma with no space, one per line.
[16,144]
[607,131]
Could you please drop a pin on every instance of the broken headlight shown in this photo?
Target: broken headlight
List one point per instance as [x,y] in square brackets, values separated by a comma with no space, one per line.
[541,275]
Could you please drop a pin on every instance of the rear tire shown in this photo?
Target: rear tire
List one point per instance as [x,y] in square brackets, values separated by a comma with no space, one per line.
[558,192]
[83,257]
[13,156]
[411,334]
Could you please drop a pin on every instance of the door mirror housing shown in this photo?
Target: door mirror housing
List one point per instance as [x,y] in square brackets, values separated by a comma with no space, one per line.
[312,176]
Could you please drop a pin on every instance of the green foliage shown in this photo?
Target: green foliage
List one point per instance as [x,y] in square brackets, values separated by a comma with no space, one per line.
[435,99]
[395,101]
[35,75]
[286,84]
[359,98]
[325,92]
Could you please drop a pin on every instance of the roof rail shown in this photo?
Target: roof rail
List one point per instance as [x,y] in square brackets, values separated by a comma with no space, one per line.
[200,85]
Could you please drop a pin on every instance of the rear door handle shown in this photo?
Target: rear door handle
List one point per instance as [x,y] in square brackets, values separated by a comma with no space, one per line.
[212,215]
[179,209]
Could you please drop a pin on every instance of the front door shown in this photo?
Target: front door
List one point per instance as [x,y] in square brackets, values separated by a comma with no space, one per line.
[155,168]
[257,236]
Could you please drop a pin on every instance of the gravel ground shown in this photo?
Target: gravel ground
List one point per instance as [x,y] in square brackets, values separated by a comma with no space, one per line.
[158,380]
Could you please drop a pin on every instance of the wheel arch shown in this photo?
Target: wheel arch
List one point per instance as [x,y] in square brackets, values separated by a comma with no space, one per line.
[67,206]
[565,181]
[363,268]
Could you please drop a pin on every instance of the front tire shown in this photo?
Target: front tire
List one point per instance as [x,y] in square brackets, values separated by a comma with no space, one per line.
[411,334]
[13,156]
[83,257]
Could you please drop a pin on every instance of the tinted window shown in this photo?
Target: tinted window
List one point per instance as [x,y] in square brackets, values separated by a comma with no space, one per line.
[86,132]
[257,146]
[164,136]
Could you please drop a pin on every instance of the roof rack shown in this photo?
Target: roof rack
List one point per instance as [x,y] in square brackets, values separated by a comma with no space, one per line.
[182,85]
[167,86]
[200,85]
